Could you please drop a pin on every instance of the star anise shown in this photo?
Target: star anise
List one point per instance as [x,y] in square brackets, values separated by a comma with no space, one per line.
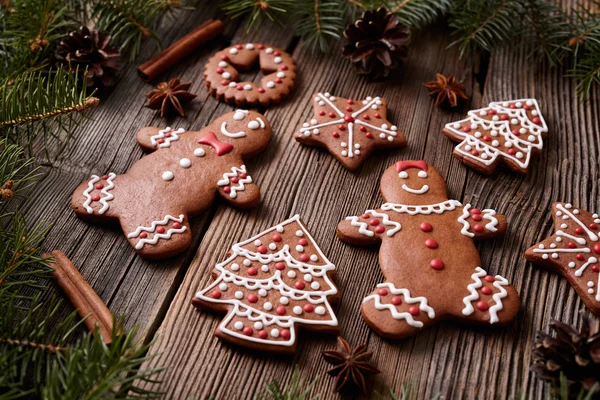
[446,90]
[168,96]
[350,366]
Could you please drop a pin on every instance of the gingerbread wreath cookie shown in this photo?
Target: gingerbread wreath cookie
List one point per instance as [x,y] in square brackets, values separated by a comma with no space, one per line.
[270,285]
[154,200]
[222,76]
[508,132]
[573,251]
[350,129]
[431,267]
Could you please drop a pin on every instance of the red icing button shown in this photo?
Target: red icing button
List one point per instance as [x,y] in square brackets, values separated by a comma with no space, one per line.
[176,225]
[276,53]
[247,331]
[366,116]
[299,285]
[99,186]
[504,117]
[336,135]
[220,70]
[363,128]
[374,222]
[486,290]
[302,242]
[580,257]
[516,132]
[369,135]
[350,101]
[482,305]
[366,216]
[349,109]
[263,334]
[477,217]
[349,118]
[243,176]
[377,115]
[596,248]
[331,115]
[276,237]
[215,294]
[261,90]
[239,87]
[227,189]
[571,245]
[224,57]
[436,264]
[321,113]
[487,138]
[593,226]
[261,249]
[309,308]
[579,231]
[280,266]
[278,80]
[478,228]
[285,334]
[475,211]
[161,141]
[284,67]
[239,46]
[432,244]
[595,268]
[382,292]
[466,129]
[536,120]
[143,235]
[280,310]
[512,151]
[252,271]
[160,229]
[95,197]
[425,227]
[489,278]
[342,127]
[235,179]
[380,229]
[304,258]
[105,177]
[261,46]
[396,300]
[475,152]
[413,310]
[252,298]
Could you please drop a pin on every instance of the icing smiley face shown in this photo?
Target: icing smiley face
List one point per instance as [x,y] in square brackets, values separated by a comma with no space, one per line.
[413,182]
[242,127]
[242,115]
[403,174]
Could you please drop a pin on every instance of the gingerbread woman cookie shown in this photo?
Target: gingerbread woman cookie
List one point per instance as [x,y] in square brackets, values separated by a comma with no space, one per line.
[350,129]
[154,200]
[270,285]
[508,132]
[573,251]
[431,267]
[222,76]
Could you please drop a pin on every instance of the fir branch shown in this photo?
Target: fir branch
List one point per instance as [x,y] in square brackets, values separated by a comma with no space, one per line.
[319,21]
[16,173]
[257,10]
[412,13]
[546,26]
[298,389]
[586,73]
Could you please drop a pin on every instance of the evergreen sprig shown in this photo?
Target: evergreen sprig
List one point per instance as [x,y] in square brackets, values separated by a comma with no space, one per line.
[257,10]
[299,388]
[412,13]
[16,172]
[319,22]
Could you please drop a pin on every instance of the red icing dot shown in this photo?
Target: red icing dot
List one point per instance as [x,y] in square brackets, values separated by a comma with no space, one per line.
[374,222]
[176,225]
[99,186]
[336,135]
[425,227]
[239,87]
[516,132]
[235,179]
[477,217]
[224,57]
[285,333]
[342,127]
[216,294]
[466,129]
[160,229]
[489,278]
[396,300]
[382,292]
[261,249]
[571,245]
[321,113]
[220,70]
[276,53]
[263,334]
[363,129]
[487,138]
[261,46]
[350,101]
[478,228]
[379,229]
[252,271]
[348,118]
[247,331]
[536,120]
[486,290]
[482,305]
[377,115]
[366,117]
[280,310]
[278,80]
[276,237]
[95,197]
[309,308]
[369,135]
[252,298]
[304,258]
[475,152]
[143,235]
[475,211]
[243,176]
[227,189]
[284,67]
[331,115]
[596,248]
[299,285]
[436,264]
[512,106]
[431,243]
[512,151]
[224,82]
[261,90]
[168,134]
[161,141]
[413,310]
[580,257]
[579,231]
[595,268]
[492,112]
[504,117]
[303,242]
[526,107]
[348,108]
[105,177]
[593,226]
[366,216]
[280,266]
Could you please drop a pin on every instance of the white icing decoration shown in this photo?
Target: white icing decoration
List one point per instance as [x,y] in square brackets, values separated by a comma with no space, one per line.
[253,125]
[167,176]
[235,171]
[438,208]
[423,189]
[486,214]
[499,284]
[152,229]
[363,226]
[407,299]
[240,114]
[103,192]
[185,163]
[225,132]
[199,152]
[167,140]
[472,288]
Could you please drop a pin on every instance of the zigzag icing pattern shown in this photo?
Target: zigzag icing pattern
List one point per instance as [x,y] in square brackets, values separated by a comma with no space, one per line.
[152,229]
[363,226]
[264,319]
[486,214]
[235,171]
[438,208]
[497,297]
[167,140]
[407,299]
[103,200]
[472,288]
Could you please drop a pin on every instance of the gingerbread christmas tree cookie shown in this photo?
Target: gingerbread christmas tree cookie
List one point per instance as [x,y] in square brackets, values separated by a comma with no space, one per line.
[271,285]
[431,267]
[573,251]
[508,133]
[186,171]
[350,129]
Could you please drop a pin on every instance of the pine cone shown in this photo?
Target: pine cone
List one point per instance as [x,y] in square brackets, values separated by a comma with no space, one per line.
[92,50]
[575,354]
[377,43]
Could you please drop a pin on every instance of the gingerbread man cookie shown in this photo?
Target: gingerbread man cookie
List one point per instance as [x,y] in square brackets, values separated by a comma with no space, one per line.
[222,76]
[573,251]
[271,284]
[154,200]
[350,129]
[508,132]
[431,267]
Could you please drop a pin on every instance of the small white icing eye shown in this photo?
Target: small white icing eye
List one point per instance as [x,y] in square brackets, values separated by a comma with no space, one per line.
[253,125]
[403,174]
[239,115]
[422,174]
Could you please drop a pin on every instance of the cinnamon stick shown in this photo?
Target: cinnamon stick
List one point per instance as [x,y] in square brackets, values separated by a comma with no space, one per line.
[181,48]
[86,301]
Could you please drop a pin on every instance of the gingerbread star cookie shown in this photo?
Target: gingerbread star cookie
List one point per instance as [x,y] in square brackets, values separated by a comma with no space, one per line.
[350,129]
[508,132]
[573,251]
[271,285]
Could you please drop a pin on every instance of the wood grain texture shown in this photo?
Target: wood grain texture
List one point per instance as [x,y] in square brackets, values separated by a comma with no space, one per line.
[446,359]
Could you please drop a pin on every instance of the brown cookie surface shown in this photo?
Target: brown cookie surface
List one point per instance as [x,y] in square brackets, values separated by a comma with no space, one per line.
[573,251]
[222,74]
[508,133]
[431,267]
[350,129]
[182,176]
[271,285]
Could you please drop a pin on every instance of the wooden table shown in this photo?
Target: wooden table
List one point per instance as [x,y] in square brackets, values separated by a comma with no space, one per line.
[446,359]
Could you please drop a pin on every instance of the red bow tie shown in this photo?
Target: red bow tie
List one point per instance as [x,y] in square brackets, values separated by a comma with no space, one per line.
[211,140]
